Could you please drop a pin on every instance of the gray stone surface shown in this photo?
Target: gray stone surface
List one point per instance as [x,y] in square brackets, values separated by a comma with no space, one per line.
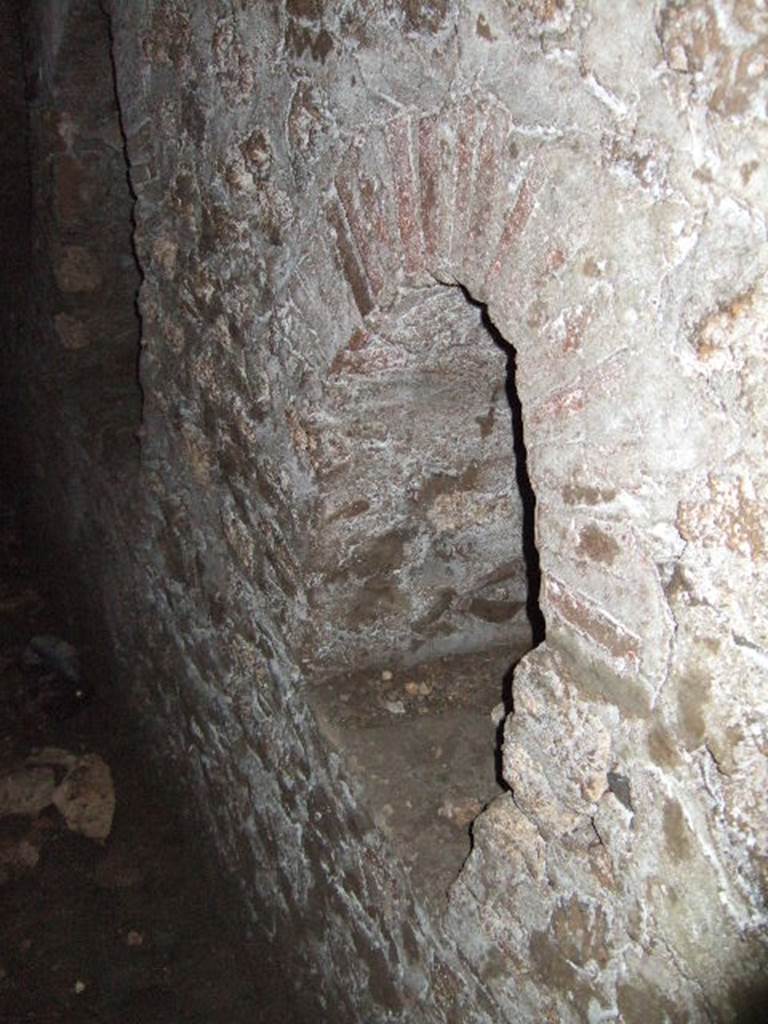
[311,181]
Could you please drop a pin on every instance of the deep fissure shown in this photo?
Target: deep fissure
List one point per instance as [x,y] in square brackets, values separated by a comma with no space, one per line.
[524,486]
[132,219]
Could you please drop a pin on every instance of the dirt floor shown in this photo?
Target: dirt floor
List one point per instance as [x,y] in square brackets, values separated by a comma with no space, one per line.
[422,744]
[123,928]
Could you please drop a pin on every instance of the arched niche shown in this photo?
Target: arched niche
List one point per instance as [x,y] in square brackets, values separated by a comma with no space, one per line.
[421,566]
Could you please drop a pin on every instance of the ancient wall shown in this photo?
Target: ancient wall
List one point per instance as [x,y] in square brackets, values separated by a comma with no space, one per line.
[73,353]
[349,218]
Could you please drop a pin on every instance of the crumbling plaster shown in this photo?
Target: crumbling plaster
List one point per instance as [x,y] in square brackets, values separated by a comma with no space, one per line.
[593,172]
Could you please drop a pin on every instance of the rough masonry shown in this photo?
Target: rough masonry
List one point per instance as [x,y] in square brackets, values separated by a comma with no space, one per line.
[318,469]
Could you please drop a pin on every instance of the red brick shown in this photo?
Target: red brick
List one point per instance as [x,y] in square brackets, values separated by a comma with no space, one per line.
[469,127]
[378,204]
[348,188]
[586,618]
[489,191]
[558,405]
[348,259]
[429,183]
[514,225]
[437,155]
[407,200]
[601,386]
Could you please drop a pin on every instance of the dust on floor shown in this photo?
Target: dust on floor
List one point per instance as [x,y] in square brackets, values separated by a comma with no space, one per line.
[422,744]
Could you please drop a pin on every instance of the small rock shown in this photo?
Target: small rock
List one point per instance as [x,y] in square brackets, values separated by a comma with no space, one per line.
[498,714]
[395,707]
[383,816]
[412,688]
[386,675]
[18,856]
[134,938]
[86,797]
[425,689]
[78,987]
[460,812]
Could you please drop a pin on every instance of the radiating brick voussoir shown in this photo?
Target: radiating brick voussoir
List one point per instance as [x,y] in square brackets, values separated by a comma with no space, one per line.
[349,190]
[378,206]
[585,617]
[515,222]
[313,292]
[398,134]
[436,143]
[348,259]
[490,197]
[469,118]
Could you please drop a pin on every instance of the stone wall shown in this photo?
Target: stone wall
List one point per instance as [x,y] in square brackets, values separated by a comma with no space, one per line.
[73,354]
[412,549]
[324,481]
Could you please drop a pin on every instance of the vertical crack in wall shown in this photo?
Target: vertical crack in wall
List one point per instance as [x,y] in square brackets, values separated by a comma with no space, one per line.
[529,549]
[524,486]
[132,216]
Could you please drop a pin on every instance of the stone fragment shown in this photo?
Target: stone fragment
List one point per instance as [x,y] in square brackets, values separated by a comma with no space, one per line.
[498,714]
[461,812]
[86,797]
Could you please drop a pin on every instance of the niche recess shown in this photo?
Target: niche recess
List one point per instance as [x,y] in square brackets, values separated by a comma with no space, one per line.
[424,579]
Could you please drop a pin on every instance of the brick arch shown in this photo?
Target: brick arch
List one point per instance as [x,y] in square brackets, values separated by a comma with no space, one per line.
[465,195]
[427,200]
[437,197]
[422,201]
[535,227]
